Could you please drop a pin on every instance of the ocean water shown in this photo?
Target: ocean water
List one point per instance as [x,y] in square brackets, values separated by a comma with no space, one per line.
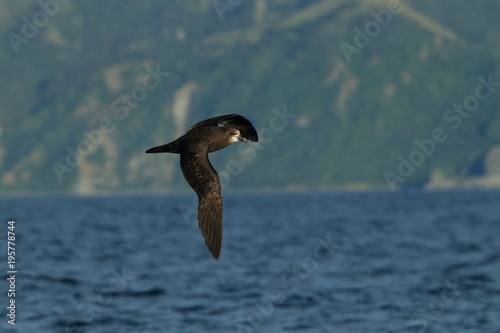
[309,262]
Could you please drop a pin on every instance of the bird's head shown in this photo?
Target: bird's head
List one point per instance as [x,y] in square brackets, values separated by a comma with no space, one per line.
[235,136]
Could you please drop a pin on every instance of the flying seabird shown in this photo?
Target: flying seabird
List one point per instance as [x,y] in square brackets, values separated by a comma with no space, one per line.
[202,138]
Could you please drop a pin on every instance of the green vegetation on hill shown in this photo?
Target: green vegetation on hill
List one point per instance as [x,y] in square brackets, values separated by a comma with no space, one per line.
[87,86]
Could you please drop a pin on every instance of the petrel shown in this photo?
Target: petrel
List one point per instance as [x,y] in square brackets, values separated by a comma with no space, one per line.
[202,138]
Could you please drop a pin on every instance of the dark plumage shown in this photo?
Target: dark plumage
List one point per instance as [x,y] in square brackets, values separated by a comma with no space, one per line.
[202,138]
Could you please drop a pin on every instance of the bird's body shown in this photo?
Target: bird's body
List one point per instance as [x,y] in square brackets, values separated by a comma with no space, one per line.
[202,138]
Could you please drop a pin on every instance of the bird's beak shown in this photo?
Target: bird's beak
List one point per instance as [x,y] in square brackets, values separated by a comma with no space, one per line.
[241,138]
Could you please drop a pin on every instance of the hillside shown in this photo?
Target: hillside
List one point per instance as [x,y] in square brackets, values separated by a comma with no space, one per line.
[345,94]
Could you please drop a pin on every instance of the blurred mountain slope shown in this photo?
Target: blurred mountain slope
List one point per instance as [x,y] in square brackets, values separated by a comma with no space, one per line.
[94,84]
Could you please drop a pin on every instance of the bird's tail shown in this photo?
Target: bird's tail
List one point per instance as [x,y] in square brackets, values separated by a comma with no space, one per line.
[172,147]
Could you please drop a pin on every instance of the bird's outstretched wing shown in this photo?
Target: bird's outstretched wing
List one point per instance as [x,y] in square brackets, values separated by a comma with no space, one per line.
[204,180]
[230,120]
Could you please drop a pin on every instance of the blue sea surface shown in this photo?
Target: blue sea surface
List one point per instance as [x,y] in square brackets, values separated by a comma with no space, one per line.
[308,262]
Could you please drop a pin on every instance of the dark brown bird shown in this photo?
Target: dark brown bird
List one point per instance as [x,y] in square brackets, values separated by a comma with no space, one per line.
[202,138]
